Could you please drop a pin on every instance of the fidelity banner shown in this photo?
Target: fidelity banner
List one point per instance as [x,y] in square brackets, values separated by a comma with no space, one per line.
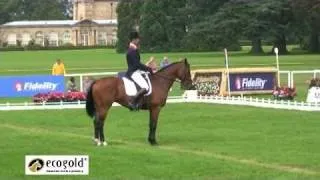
[252,81]
[19,86]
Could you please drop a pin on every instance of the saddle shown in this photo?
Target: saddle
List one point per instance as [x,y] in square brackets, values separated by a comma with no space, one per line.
[131,87]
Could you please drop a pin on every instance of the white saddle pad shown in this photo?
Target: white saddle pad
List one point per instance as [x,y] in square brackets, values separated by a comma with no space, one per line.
[131,89]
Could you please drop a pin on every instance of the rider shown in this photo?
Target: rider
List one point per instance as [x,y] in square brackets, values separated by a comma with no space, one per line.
[136,68]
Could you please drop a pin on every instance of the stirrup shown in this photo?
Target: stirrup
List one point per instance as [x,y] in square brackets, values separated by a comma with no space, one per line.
[133,107]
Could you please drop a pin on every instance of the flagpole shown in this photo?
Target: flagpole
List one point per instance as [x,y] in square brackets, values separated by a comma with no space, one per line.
[276,51]
[227,67]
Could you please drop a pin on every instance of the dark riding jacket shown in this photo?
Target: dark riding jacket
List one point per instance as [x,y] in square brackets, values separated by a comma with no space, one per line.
[133,61]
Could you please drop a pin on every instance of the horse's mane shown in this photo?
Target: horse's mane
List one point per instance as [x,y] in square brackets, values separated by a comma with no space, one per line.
[166,67]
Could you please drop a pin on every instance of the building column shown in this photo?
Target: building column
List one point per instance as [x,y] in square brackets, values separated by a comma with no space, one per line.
[74,37]
[90,38]
[77,38]
[94,37]
[111,12]
[75,10]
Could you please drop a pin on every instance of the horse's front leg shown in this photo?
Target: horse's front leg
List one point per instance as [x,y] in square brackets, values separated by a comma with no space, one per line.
[154,114]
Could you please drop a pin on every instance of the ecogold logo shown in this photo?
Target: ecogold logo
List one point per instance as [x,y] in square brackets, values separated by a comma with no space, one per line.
[36,165]
[56,165]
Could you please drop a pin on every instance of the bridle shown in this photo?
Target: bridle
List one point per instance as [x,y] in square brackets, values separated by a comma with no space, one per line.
[171,79]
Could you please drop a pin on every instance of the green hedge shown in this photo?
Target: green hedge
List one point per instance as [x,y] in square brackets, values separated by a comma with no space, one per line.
[12,49]
[249,43]
[38,48]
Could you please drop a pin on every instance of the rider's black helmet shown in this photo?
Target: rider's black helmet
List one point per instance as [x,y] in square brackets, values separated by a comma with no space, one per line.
[133,35]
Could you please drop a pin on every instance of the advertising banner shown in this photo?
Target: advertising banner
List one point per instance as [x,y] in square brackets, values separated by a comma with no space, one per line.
[24,86]
[265,81]
[57,165]
[313,95]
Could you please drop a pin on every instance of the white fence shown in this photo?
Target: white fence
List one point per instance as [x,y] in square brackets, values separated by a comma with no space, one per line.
[243,101]
[90,74]
[289,74]
[265,103]
[293,73]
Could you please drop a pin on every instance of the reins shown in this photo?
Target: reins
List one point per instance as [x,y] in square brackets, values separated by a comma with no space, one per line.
[166,78]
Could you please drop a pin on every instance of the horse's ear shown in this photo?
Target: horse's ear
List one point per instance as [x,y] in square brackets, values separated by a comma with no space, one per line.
[185,60]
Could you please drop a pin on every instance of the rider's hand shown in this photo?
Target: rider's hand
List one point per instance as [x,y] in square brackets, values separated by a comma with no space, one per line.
[150,70]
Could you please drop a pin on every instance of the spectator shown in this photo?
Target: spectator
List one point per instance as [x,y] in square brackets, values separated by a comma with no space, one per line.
[164,62]
[58,68]
[152,64]
[87,83]
[315,82]
[72,87]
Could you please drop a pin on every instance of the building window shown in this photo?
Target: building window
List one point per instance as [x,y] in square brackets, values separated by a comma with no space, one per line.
[66,37]
[12,39]
[25,39]
[114,38]
[53,39]
[84,35]
[102,38]
[39,38]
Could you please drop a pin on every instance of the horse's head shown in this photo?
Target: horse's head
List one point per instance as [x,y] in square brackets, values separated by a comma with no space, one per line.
[185,76]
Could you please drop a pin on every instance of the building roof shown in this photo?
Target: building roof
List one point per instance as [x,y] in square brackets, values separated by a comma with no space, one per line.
[57,23]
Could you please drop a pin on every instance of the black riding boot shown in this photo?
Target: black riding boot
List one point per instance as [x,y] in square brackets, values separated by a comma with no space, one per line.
[134,105]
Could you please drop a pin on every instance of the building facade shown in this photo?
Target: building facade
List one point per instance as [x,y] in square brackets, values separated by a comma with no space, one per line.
[94,23]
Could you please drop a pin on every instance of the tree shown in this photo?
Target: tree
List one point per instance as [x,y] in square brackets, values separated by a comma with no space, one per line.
[7,8]
[307,14]
[153,26]
[162,25]
[219,29]
[254,24]
[67,7]
[175,22]
[275,16]
[39,10]
[128,20]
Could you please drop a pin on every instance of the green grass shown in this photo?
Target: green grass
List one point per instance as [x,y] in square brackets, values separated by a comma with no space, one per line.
[196,142]
[102,60]
[40,62]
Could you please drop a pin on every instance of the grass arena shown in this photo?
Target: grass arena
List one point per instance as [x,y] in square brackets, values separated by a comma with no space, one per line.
[196,141]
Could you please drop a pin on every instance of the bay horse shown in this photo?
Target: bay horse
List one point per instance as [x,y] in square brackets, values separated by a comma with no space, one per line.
[103,92]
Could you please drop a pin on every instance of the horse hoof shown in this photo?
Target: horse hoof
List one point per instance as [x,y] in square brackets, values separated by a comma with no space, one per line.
[95,140]
[153,143]
[105,143]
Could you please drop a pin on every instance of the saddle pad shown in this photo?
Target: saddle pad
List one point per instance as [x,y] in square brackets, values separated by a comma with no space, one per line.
[131,88]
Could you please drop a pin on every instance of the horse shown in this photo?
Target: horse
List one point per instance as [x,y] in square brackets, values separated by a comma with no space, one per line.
[105,91]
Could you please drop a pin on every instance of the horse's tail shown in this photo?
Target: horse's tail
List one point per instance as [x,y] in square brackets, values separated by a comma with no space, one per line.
[90,102]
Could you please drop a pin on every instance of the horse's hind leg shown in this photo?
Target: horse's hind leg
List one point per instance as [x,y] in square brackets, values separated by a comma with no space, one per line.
[101,133]
[101,116]
[96,129]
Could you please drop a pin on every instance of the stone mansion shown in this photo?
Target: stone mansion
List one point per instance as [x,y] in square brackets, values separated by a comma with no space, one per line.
[94,23]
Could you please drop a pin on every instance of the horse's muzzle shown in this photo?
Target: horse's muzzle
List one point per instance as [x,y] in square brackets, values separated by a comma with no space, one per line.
[192,87]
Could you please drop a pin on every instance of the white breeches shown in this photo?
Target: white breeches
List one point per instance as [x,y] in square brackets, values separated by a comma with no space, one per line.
[137,77]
